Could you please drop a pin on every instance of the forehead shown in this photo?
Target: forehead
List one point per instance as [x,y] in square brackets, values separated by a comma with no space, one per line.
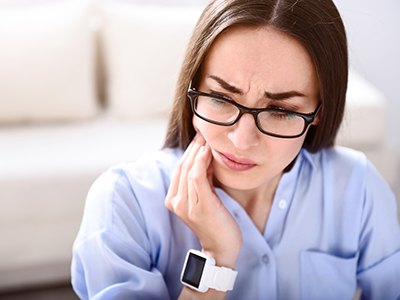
[246,55]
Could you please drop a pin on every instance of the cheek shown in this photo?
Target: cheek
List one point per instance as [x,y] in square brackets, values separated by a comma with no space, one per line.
[279,152]
[288,149]
[209,131]
[195,122]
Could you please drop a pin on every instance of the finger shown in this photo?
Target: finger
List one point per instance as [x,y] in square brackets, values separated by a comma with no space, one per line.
[173,187]
[202,175]
[183,196]
[186,168]
[193,199]
[195,176]
[187,163]
[187,151]
[175,178]
[198,175]
[177,196]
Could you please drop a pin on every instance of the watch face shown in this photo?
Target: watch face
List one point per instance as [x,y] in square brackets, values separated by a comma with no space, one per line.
[194,269]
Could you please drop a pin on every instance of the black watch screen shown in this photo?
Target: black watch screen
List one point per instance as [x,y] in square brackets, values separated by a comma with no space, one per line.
[193,270]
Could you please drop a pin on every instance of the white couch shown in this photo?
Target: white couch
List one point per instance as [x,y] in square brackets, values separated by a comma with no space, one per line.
[86,85]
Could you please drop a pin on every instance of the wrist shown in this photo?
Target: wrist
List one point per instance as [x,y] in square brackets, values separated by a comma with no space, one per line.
[200,272]
[223,259]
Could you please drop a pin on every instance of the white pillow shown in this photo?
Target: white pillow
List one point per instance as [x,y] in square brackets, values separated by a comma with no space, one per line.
[47,61]
[143,47]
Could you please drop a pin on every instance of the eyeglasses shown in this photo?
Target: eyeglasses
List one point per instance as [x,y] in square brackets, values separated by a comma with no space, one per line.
[275,122]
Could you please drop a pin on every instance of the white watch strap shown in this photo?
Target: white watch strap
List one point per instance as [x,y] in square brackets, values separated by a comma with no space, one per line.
[221,278]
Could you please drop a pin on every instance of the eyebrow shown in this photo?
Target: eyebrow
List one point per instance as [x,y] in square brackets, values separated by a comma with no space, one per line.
[273,96]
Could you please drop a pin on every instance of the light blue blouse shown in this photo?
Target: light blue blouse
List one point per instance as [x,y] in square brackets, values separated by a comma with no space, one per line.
[332,228]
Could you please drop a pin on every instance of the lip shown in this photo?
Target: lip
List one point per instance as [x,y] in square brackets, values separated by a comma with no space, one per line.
[235,163]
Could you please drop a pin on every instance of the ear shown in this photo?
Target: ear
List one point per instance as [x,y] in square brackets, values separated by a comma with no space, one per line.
[316,120]
[317,117]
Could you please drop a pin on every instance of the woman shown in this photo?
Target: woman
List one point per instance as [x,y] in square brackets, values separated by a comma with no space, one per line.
[249,177]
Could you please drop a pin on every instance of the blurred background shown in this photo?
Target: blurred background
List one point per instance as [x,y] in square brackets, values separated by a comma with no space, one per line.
[85,84]
[373,30]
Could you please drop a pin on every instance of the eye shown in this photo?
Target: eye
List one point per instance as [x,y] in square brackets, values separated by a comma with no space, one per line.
[217,101]
[281,114]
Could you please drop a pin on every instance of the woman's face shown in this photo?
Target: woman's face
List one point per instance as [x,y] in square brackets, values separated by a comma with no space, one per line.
[245,64]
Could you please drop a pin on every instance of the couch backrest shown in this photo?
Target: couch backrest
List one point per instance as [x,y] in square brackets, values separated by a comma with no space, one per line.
[46,59]
[52,52]
[142,50]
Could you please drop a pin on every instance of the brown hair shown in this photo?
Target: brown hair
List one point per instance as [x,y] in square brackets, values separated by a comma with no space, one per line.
[317,25]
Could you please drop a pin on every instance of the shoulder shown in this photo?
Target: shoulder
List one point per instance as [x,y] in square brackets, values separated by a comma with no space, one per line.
[146,170]
[348,175]
[345,163]
[128,190]
[338,165]
[340,157]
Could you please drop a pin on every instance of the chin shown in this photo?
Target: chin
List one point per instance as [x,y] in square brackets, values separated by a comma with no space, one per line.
[234,180]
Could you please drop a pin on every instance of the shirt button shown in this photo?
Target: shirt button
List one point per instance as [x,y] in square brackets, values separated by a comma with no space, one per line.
[265,259]
[236,215]
[282,204]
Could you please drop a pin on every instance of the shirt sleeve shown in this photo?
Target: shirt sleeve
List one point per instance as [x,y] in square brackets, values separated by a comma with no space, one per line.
[112,255]
[379,261]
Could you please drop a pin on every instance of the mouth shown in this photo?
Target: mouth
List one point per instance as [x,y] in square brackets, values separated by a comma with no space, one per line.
[235,163]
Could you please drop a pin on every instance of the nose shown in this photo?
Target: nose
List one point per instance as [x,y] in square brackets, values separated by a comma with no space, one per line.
[244,134]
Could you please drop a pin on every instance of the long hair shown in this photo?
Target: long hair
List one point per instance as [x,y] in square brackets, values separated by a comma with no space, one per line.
[317,25]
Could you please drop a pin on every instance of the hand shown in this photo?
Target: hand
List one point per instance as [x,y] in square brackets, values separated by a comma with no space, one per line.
[192,198]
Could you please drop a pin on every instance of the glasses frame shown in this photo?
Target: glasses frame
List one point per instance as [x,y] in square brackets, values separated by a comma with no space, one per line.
[193,94]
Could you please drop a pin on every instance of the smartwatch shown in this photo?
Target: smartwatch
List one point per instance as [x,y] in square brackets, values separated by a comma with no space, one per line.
[200,273]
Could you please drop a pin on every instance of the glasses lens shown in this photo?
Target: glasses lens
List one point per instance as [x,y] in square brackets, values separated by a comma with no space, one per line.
[281,123]
[275,122]
[215,109]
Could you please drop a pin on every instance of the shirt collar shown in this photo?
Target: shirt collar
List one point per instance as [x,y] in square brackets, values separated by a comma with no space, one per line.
[308,157]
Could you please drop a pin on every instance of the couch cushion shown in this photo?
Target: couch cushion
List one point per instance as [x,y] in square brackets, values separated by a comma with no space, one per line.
[47,61]
[143,47]
[93,145]
[365,124]
[45,174]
